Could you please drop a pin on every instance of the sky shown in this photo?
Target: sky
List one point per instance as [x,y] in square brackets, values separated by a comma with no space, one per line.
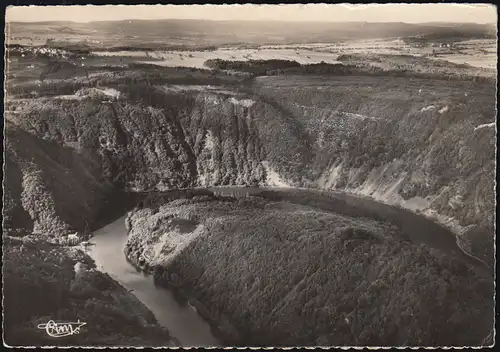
[410,13]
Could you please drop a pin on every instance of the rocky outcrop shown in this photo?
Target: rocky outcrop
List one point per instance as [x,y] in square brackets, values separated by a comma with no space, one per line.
[406,143]
[412,143]
[65,156]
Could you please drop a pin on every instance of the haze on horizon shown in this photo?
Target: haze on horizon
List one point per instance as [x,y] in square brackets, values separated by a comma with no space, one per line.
[409,13]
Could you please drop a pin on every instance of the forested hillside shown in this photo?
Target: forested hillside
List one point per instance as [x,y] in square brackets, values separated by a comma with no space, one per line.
[416,143]
[44,282]
[421,147]
[78,137]
[248,266]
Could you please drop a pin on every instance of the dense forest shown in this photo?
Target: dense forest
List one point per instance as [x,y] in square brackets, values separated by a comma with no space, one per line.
[248,264]
[360,65]
[87,136]
[255,67]
[315,131]
[435,152]
[41,284]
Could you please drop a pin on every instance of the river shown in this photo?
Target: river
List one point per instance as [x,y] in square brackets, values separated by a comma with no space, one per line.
[184,323]
[414,227]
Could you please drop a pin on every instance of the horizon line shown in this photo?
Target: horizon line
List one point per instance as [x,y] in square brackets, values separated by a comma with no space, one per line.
[411,13]
[248,20]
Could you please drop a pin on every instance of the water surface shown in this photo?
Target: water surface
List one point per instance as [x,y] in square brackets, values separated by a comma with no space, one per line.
[189,328]
[183,322]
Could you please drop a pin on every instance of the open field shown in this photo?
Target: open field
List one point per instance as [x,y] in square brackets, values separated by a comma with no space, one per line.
[194,33]
[239,41]
[477,54]
[481,54]
[198,58]
[97,113]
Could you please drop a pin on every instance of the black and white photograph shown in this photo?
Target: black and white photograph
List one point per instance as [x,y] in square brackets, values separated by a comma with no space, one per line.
[242,175]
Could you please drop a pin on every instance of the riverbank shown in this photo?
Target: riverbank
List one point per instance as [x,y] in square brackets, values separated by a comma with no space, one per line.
[393,212]
[66,281]
[447,223]
[220,327]
[183,323]
[221,330]
[247,260]
[359,204]
[450,226]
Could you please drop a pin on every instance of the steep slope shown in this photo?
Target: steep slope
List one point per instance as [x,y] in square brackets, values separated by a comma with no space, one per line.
[412,143]
[87,148]
[422,144]
[44,179]
[74,143]
[90,133]
[69,287]
[408,142]
[270,272]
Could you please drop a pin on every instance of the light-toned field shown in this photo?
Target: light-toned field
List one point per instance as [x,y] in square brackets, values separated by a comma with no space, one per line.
[230,46]
[477,53]
[198,58]
[481,60]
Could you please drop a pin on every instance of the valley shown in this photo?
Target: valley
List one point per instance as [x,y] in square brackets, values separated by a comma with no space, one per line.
[288,192]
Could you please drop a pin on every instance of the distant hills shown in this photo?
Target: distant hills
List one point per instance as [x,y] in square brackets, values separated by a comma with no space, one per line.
[257,32]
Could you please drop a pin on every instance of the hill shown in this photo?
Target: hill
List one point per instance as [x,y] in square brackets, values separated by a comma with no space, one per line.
[66,281]
[78,136]
[198,32]
[150,128]
[247,265]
